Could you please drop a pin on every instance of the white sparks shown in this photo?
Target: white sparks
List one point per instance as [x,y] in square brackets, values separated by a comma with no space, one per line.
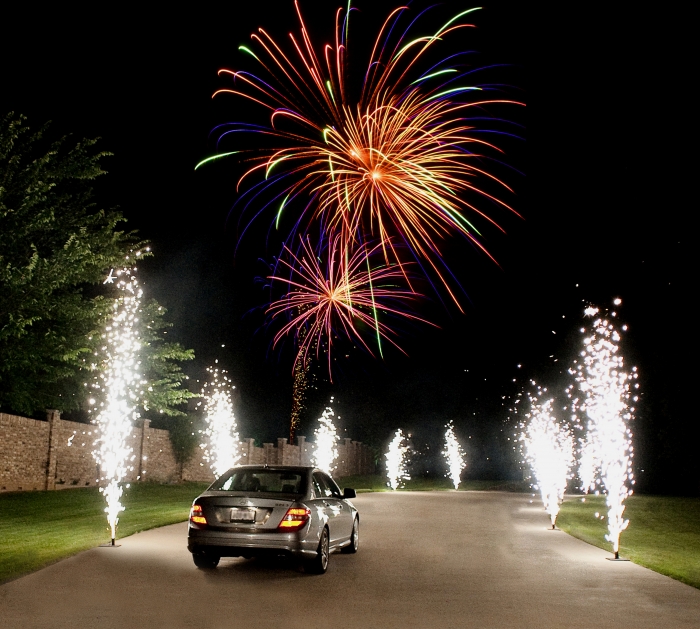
[606,452]
[221,449]
[121,379]
[396,460]
[326,438]
[110,277]
[549,449]
[454,454]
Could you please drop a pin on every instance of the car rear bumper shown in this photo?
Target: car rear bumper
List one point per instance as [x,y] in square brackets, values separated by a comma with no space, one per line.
[249,544]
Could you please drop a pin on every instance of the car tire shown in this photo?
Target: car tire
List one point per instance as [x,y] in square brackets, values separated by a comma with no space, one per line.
[319,564]
[354,539]
[205,562]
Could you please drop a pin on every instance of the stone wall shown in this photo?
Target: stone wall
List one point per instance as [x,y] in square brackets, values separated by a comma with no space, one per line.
[24,447]
[57,454]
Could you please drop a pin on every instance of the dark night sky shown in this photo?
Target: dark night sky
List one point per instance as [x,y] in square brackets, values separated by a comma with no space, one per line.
[603,196]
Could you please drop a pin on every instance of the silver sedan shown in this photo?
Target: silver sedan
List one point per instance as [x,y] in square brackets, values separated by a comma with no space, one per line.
[255,510]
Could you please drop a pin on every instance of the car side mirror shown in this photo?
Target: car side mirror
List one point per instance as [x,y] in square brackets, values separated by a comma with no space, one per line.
[349,493]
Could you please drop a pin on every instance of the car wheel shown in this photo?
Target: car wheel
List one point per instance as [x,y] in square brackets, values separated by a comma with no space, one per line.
[319,564]
[205,562]
[354,539]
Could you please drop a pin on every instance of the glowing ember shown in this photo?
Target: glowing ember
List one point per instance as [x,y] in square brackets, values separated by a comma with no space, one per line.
[607,448]
[396,460]
[326,438]
[549,449]
[221,448]
[454,454]
[120,382]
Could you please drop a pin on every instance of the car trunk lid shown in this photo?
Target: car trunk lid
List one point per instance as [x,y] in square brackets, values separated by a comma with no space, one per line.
[245,512]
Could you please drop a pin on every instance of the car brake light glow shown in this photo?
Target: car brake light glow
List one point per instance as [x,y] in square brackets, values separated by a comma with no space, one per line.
[196,515]
[295,518]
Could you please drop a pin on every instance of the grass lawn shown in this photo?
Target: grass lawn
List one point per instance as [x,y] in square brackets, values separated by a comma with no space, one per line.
[38,528]
[663,533]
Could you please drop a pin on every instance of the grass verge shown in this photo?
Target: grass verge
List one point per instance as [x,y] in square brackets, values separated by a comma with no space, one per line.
[38,528]
[663,533]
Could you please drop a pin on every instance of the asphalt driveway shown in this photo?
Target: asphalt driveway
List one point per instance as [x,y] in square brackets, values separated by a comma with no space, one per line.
[426,559]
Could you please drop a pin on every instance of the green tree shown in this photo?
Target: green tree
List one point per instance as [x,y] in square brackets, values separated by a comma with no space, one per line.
[55,245]
[185,436]
[160,362]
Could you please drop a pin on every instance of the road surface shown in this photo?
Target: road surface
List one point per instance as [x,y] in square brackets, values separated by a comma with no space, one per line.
[427,560]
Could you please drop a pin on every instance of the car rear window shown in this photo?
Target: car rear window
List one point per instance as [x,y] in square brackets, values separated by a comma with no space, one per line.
[260,481]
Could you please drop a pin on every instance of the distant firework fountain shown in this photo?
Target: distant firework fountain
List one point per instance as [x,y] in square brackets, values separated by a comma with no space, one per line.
[396,460]
[119,390]
[326,441]
[549,450]
[403,163]
[454,455]
[221,448]
[605,414]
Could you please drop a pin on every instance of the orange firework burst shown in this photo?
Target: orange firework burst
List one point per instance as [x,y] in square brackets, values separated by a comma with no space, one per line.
[338,296]
[402,166]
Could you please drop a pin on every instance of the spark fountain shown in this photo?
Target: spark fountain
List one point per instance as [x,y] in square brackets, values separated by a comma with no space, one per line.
[120,380]
[454,454]
[605,414]
[221,449]
[396,460]
[326,438]
[549,449]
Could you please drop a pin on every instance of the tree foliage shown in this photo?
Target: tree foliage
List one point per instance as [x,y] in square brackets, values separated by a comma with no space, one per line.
[56,247]
[185,436]
[160,363]
[56,243]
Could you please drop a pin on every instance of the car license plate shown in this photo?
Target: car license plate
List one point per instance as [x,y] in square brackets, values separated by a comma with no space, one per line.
[242,515]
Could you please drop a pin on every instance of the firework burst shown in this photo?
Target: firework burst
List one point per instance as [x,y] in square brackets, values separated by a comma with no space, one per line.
[401,164]
[340,295]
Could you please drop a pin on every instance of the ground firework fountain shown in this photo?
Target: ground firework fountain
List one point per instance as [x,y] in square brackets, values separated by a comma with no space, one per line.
[326,438]
[120,381]
[221,447]
[454,454]
[396,460]
[549,449]
[604,413]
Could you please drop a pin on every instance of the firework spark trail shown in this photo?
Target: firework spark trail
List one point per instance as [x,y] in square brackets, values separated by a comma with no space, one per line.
[454,454]
[549,448]
[221,448]
[605,414]
[121,381]
[326,439]
[399,165]
[325,299]
[396,460]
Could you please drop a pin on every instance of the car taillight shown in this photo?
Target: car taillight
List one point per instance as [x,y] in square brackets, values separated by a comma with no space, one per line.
[196,515]
[295,518]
